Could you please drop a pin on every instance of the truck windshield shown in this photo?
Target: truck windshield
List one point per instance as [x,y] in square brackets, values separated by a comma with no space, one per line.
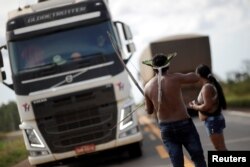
[61,48]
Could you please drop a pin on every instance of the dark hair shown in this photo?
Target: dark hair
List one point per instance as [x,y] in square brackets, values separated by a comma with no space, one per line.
[205,72]
[158,61]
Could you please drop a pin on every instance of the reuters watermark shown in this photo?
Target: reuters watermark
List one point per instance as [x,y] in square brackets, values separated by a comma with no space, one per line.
[229,158]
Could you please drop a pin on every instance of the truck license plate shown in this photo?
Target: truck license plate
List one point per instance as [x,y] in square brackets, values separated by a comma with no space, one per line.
[85,149]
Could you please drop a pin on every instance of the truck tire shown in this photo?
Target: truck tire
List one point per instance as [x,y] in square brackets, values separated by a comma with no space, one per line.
[135,150]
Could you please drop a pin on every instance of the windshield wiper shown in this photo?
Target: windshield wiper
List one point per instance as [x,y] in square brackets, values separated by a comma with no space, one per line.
[91,59]
[40,68]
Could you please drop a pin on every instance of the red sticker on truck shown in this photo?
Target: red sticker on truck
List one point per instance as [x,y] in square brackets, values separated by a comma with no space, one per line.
[85,149]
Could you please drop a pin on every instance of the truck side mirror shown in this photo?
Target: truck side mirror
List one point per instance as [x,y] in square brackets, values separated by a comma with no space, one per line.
[127,39]
[1,60]
[1,55]
[131,47]
[127,32]
[2,75]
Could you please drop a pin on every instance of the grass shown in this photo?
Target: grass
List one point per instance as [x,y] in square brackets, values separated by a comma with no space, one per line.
[12,151]
[237,94]
[238,101]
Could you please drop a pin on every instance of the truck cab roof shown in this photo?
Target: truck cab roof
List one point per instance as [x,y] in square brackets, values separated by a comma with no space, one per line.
[27,9]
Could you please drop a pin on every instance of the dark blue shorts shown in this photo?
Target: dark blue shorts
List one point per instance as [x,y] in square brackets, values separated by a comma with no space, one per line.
[215,124]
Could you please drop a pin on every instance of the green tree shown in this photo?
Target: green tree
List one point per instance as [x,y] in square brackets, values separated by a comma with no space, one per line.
[9,117]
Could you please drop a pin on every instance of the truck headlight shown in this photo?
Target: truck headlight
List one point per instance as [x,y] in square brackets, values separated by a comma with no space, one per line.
[38,153]
[132,131]
[126,117]
[33,138]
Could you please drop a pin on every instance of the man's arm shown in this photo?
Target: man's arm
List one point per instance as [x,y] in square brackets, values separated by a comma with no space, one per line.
[188,78]
[149,107]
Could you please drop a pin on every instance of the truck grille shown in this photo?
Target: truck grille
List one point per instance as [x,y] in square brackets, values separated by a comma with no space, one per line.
[77,119]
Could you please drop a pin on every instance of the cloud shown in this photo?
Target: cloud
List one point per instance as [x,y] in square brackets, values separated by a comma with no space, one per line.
[180,15]
[224,21]
[227,22]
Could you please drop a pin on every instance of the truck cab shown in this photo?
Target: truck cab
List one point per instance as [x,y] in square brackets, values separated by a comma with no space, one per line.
[72,91]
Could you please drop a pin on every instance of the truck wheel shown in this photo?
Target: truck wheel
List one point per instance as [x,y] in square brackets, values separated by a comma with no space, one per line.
[135,150]
[44,165]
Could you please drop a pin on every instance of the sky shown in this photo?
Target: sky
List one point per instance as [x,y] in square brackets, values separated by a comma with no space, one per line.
[226,22]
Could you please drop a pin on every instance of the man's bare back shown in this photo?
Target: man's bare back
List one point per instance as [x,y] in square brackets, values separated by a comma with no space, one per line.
[172,107]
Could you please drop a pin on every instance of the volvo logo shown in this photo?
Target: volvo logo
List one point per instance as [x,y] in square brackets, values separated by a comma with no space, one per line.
[69,78]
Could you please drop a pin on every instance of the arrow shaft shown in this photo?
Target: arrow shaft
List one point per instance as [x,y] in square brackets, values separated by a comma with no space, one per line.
[121,60]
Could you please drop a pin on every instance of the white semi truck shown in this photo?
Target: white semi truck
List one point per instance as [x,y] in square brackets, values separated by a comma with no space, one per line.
[72,90]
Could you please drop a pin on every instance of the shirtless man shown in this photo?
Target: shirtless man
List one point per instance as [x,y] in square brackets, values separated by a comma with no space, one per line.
[177,128]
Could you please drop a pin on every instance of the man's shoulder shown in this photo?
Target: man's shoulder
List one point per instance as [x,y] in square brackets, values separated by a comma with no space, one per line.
[148,83]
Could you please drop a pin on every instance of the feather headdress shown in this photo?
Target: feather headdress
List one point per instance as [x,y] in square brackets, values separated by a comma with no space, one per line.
[164,64]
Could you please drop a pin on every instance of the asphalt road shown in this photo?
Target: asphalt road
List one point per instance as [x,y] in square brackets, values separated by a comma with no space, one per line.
[237,137]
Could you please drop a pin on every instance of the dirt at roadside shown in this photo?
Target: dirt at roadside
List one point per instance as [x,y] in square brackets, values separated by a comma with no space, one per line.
[24,163]
[12,135]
